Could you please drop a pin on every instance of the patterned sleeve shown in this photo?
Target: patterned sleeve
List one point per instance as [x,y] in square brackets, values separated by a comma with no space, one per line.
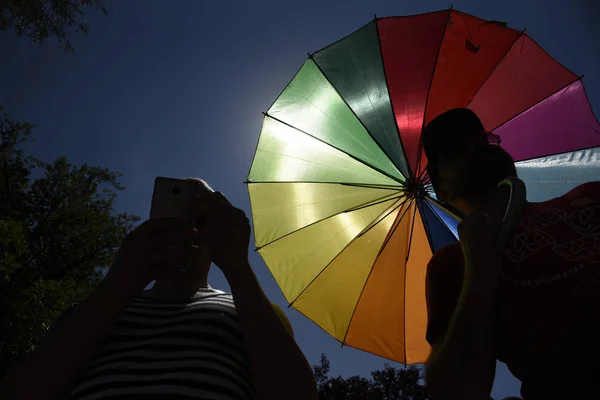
[443,287]
[284,319]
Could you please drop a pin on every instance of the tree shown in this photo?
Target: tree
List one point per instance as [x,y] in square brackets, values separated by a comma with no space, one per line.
[58,234]
[42,19]
[387,384]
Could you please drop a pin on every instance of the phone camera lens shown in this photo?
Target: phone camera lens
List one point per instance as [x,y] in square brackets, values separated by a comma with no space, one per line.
[176,190]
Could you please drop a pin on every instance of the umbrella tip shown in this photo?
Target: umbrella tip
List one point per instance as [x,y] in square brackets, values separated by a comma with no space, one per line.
[374,16]
[310,56]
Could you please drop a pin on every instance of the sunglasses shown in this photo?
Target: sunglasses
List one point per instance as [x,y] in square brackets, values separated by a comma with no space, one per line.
[491,138]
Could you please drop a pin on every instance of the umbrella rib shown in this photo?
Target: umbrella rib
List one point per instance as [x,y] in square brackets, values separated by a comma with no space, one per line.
[408,206]
[549,55]
[494,68]
[536,103]
[366,164]
[411,233]
[370,203]
[425,224]
[385,213]
[556,61]
[437,56]
[450,212]
[427,185]
[374,204]
[439,219]
[353,113]
[354,347]
[381,249]
[286,86]
[412,228]
[361,185]
[319,326]
[387,87]
[373,224]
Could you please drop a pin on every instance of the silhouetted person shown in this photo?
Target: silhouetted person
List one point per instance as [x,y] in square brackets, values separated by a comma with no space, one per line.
[181,339]
[535,307]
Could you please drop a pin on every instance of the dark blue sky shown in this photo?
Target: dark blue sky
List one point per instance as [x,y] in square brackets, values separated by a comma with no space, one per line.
[178,90]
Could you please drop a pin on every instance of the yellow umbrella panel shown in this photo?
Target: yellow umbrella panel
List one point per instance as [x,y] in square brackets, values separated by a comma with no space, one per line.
[336,224]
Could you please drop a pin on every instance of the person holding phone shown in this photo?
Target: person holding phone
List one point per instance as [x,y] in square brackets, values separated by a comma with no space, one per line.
[181,339]
[534,303]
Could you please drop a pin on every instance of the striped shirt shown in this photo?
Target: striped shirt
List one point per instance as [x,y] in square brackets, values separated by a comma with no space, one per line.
[171,350]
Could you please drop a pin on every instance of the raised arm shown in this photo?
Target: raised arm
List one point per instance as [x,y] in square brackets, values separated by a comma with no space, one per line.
[50,371]
[462,362]
[278,367]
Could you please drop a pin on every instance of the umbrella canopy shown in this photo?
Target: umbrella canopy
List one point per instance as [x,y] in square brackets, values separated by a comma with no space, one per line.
[342,212]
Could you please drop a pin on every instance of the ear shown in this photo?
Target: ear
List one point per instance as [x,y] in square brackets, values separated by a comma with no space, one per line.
[451,178]
[442,195]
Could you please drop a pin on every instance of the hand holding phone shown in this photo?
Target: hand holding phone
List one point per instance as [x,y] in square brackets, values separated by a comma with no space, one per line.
[177,198]
[154,250]
[224,234]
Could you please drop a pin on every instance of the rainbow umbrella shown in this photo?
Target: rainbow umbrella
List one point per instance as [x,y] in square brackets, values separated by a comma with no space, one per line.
[343,215]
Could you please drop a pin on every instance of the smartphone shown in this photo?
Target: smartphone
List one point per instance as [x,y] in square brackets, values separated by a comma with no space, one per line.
[172,198]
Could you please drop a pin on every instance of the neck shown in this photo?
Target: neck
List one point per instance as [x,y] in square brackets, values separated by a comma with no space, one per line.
[182,288]
[173,292]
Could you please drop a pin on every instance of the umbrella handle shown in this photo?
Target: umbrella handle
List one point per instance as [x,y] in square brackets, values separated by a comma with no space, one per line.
[516,204]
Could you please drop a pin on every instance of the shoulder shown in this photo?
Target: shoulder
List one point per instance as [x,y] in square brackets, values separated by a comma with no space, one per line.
[55,326]
[580,196]
[210,291]
[447,260]
[283,318]
[227,299]
[212,299]
[447,253]
[444,274]
[211,294]
[589,190]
